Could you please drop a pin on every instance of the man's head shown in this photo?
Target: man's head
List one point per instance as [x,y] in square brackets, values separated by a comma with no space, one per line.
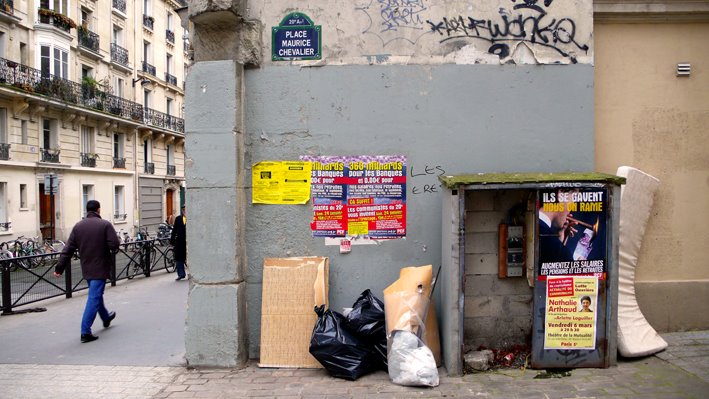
[183,210]
[558,218]
[93,206]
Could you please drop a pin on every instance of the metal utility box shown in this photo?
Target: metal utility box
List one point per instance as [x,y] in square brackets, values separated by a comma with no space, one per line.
[553,275]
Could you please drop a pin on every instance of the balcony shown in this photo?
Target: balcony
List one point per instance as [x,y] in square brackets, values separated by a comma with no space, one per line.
[120,216]
[4,152]
[186,45]
[148,21]
[5,226]
[50,155]
[120,5]
[170,79]
[59,20]
[119,163]
[158,119]
[119,55]
[88,40]
[88,160]
[7,6]
[149,68]
[34,82]
[149,168]
[170,36]
[171,170]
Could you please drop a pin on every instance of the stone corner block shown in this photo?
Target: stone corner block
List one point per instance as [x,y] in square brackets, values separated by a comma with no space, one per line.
[199,7]
[215,331]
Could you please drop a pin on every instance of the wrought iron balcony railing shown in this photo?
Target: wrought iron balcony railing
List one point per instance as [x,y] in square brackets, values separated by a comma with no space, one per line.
[120,216]
[88,160]
[7,6]
[148,21]
[88,40]
[119,163]
[33,81]
[5,226]
[120,5]
[59,20]
[186,45]
[50,155]
[171,170]
[163,120]
[170,79]
[170,36]
[149,168]
[4,151]
[149,68]
[119,55]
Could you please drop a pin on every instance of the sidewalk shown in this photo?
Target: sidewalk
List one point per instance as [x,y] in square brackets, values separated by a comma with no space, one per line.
[141,357]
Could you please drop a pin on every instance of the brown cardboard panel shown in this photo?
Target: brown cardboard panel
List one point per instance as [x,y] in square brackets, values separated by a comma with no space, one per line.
[292,287]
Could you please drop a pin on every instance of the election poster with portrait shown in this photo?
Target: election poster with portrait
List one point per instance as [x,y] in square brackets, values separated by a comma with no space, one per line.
[570,317]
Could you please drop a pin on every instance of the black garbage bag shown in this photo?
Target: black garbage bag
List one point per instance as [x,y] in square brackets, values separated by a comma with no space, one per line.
[367,321]
[343,354]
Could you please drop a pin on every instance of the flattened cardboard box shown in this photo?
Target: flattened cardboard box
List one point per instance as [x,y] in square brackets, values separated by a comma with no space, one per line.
[292,287]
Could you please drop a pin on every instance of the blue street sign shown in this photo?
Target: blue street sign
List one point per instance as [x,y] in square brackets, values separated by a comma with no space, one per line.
[296,38]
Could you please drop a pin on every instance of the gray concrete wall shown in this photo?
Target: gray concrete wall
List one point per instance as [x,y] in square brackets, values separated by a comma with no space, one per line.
[444,118]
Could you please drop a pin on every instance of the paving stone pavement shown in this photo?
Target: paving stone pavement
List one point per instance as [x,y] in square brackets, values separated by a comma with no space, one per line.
[681,371]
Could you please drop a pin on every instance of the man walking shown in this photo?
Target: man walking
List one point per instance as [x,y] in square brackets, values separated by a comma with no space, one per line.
[179,241]
[96,240]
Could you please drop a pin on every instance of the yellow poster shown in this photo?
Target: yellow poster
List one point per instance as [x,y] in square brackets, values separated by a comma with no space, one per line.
[570,319]
[281,182]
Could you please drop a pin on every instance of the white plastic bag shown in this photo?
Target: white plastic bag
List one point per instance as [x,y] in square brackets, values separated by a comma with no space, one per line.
[411,362]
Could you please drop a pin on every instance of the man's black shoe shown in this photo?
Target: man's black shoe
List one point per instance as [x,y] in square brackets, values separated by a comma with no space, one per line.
[179,278]
[88,338]
[111,316]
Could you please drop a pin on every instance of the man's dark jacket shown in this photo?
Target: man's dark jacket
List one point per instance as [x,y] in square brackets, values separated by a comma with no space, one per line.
[179,239]
[96,240]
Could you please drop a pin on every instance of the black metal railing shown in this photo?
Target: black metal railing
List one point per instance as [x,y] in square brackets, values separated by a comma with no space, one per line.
[119,55]
[28,279]
[88,160]
[120,5]
[7,6]
[4,151]
[119,163]
[186,45]
[5,226]
[149,168]
[171,170]
[170,36]
[148,21]
[170,79]
[89,40]
[163,120]
[34,81]
[120,216]
[148,68]
[50,155]
[59,20]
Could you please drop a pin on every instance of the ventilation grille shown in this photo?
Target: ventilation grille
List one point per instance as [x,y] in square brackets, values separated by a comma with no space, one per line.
[684,69]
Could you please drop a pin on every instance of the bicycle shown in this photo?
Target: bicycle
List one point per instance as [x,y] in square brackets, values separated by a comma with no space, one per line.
[166,252]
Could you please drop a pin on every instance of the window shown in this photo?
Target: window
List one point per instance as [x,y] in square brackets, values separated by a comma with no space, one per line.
[3,126]
[146,98]
[146,52]
[23,53]
[54,61]
[168,64]
[49,134]
[169,20]
[147,151]
[170,155]
[3,207]
[23,128]
[2,44]
[87,139]
[147,8]
[87,194]
[118,202]
[117,35]
[118,84]
[61,6]
[168,106]
[117,145]
[23,196]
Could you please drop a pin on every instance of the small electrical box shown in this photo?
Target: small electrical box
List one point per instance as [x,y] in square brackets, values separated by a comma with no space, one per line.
[511,251]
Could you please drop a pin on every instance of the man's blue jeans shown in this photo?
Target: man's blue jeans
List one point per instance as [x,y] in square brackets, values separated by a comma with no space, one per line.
[94,304]
[180,265]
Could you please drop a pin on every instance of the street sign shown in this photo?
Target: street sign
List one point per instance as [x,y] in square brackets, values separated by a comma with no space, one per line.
[296,38]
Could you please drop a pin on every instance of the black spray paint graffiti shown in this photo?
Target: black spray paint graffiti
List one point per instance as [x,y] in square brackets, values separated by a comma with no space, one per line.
[392,20]
[537,29]
[427,171]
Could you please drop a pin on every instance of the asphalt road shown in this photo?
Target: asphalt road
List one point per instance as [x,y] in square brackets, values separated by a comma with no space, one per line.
[148,329]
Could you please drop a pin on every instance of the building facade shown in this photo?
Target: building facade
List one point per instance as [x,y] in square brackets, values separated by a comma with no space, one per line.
[91,100]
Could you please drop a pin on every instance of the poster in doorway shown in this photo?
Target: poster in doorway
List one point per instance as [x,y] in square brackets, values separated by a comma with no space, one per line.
[358,196]
[570,319]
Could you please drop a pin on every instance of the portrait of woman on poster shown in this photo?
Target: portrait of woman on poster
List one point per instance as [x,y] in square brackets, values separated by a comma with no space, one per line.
[585,304]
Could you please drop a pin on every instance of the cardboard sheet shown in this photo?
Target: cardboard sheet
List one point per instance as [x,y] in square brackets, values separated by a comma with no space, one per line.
[292,287]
